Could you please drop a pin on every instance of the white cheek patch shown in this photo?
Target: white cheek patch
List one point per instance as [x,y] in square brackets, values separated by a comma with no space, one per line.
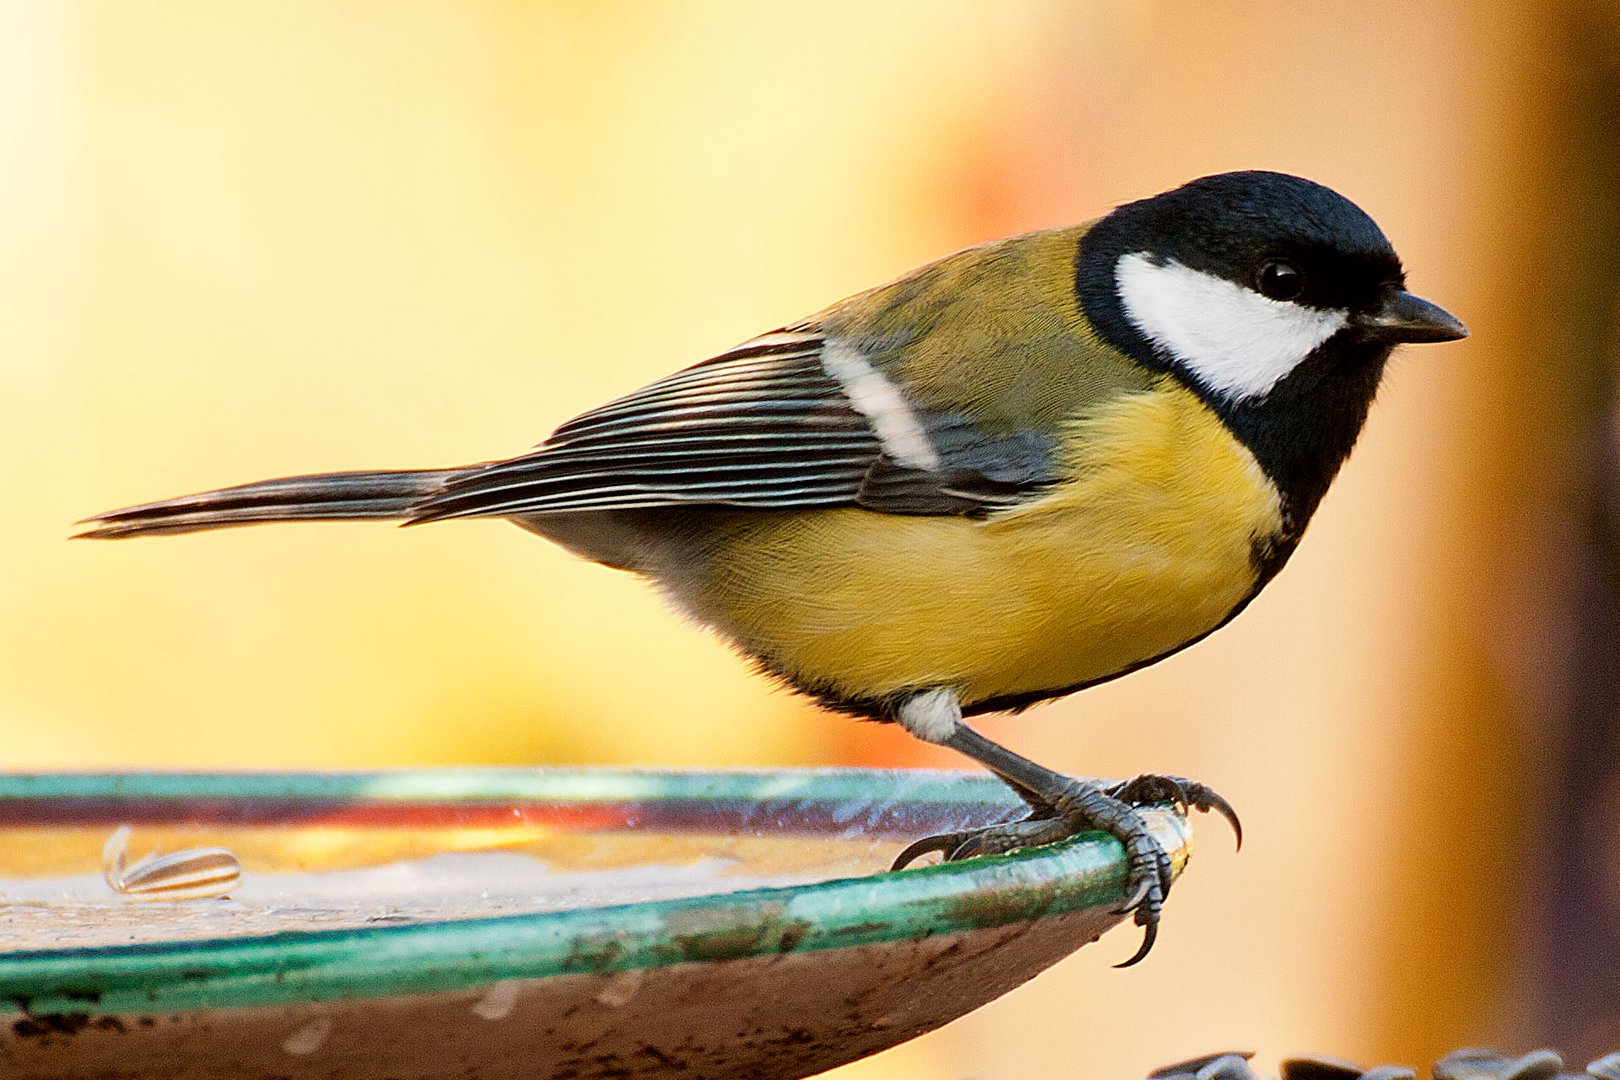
[1238,343]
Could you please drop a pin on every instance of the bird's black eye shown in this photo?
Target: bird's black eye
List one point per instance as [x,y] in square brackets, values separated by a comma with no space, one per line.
[1279,279]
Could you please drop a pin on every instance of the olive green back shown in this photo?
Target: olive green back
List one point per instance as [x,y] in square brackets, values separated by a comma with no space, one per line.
[993,331]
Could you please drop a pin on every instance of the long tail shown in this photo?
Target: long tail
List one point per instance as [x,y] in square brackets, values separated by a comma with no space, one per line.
[322,497]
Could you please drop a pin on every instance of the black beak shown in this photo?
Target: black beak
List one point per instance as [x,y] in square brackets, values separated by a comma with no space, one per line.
[1404,317]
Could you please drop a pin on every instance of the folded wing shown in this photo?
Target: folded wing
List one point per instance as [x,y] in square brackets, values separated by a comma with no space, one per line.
[764,426]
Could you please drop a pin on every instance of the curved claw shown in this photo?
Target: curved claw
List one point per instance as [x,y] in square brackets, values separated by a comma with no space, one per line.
[1204,799]
[1184,793]
[1033,831]
[944,843]
[1075,806]
[1150,934]
[1212,801]
[969,847]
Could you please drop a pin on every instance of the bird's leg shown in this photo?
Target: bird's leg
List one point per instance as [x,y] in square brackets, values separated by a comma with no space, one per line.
[1060,806]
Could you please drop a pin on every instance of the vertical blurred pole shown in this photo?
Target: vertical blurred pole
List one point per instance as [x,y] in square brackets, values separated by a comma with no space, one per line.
[1570,888]
[1509,931]
[1510,934]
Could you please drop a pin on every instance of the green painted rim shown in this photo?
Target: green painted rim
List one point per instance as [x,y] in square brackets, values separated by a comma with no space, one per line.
[1087,872]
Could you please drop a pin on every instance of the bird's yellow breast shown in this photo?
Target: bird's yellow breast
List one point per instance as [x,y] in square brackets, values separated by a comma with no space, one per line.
[1145,545]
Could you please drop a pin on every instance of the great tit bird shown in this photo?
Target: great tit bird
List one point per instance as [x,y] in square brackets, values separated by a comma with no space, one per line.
[1022,470]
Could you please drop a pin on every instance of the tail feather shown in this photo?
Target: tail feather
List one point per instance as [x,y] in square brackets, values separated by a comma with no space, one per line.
[321,497]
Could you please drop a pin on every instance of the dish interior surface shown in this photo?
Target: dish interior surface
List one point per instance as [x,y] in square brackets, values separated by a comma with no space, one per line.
[382,921]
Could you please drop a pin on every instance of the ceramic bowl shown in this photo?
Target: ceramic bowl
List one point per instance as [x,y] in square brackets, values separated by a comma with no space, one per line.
[513,924]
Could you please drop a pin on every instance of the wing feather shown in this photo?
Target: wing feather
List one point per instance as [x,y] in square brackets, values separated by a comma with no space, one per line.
[764,426]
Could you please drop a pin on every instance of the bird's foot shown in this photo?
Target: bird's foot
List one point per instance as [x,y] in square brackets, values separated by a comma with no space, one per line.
[1186,794]
[1083,807]
[990,840]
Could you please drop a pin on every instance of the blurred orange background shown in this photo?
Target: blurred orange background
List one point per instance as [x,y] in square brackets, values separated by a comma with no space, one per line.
[249,239]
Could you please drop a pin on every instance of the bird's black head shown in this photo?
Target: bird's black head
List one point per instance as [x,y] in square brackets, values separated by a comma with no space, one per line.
[1273,298]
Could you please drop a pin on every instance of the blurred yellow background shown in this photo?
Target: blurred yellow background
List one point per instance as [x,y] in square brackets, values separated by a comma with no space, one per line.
[240,240]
